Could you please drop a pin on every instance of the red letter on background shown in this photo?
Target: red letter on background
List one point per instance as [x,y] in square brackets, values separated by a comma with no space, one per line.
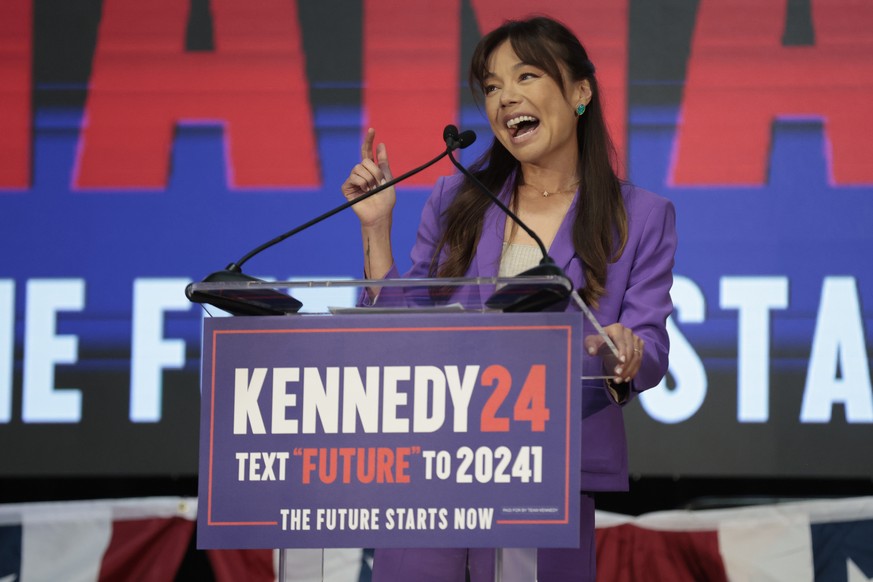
[602,27]
[740,78]
[16,56]
[411,75]
[143,83]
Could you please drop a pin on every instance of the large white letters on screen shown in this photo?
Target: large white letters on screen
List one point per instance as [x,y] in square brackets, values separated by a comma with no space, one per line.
[150,352]
[43,349]
[7,341]
[838,367]
[685,399]
[754,297]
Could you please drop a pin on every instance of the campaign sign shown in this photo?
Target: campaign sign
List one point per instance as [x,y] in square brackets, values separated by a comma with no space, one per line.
[400,430]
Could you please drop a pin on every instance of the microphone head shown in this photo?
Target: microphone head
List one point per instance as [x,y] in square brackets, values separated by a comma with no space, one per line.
[450,136]
[466,138]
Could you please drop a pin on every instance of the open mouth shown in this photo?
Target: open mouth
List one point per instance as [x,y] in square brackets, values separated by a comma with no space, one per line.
[522,125]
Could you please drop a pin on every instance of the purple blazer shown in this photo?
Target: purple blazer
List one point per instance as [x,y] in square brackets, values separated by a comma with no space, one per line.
[637,296]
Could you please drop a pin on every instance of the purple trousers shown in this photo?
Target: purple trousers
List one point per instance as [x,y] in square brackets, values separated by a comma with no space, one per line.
[451,564]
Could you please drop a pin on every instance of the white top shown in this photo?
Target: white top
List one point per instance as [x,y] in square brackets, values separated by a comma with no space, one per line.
[517,258]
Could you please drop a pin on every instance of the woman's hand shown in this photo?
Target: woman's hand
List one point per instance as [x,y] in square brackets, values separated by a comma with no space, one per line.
[630,348]
[373,171]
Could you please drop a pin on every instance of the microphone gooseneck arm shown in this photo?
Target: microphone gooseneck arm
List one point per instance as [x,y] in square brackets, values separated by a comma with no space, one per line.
[519,296]
[237,266]
[546,258]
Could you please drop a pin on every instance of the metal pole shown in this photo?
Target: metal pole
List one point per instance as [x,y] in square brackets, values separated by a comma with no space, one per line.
[282,565]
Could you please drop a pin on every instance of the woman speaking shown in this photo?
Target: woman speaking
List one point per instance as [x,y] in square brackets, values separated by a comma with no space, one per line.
[551,162]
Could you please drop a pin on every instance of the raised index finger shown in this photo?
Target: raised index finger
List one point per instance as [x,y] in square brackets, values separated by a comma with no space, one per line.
[367,146]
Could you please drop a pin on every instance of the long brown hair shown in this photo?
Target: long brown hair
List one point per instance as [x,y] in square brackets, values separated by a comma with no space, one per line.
[600,224]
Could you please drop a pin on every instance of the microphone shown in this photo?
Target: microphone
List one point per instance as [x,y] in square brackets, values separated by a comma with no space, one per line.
[450,136]
[516,296]
[455,141]
[272,302]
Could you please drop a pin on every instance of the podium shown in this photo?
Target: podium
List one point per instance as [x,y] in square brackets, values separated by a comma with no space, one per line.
[422,416]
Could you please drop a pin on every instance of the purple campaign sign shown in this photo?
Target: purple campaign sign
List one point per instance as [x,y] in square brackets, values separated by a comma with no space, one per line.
[401,430]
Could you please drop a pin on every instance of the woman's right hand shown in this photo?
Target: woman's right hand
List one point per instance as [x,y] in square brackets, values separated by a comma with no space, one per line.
[370,173]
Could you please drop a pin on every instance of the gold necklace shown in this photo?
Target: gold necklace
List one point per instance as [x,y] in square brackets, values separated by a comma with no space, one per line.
[546,193]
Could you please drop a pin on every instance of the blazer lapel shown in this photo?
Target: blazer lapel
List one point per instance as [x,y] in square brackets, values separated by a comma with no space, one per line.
[490,248]
[562,251]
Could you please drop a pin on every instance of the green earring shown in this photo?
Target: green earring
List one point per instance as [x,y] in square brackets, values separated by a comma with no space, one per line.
[580,109]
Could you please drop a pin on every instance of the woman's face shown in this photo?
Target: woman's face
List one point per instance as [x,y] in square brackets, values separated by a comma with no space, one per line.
[528,112]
